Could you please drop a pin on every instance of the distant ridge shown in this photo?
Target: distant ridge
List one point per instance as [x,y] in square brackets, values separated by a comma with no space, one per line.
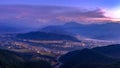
[104,31]
[46,36]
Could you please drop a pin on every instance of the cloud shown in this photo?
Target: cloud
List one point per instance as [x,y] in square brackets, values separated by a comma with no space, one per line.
[49,14]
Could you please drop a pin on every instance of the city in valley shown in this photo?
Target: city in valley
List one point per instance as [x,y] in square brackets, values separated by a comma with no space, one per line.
[48,50]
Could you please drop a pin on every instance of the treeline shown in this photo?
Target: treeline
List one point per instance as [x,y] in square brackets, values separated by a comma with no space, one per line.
[10,59]
[27,64]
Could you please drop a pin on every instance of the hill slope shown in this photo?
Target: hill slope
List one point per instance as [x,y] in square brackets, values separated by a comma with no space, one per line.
[9,59]
[111,50]
[84,58]
[46,36]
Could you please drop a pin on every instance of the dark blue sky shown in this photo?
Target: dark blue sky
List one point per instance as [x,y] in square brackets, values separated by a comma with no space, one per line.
[74,3]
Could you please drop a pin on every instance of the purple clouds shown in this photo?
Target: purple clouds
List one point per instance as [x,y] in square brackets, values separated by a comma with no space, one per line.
[48,14]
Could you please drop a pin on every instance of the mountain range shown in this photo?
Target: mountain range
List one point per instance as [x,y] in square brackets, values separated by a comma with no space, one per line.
[104,31]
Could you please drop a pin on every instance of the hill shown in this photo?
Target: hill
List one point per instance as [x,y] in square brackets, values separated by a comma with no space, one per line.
[9,59]
[111,50]
[98,57]
[84,59]
[46,36]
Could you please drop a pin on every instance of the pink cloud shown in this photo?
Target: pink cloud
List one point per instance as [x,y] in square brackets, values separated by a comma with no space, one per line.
[48,14]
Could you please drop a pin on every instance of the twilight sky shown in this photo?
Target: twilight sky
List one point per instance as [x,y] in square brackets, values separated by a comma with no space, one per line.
[73,3]
[43,12]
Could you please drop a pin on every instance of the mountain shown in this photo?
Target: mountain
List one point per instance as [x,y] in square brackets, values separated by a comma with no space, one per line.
[54,29]
[111,50]
[85,58]
[104,31]
[61,29]
[9,59]
[46,36]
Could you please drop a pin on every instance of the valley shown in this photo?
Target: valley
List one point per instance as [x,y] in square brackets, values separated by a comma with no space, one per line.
[48,50]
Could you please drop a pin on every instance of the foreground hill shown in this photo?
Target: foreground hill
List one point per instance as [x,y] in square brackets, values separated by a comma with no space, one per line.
[100,57]
[84,58]
[46,36]
[111,50]
[9,59]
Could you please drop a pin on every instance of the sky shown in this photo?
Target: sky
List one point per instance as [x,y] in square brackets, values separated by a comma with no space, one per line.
[42,12]
[80,3]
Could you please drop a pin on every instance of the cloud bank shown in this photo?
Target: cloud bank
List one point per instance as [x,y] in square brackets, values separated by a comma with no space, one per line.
[41,15]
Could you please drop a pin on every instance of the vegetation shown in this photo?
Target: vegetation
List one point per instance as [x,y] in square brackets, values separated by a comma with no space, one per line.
[9,59]
[100,57]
